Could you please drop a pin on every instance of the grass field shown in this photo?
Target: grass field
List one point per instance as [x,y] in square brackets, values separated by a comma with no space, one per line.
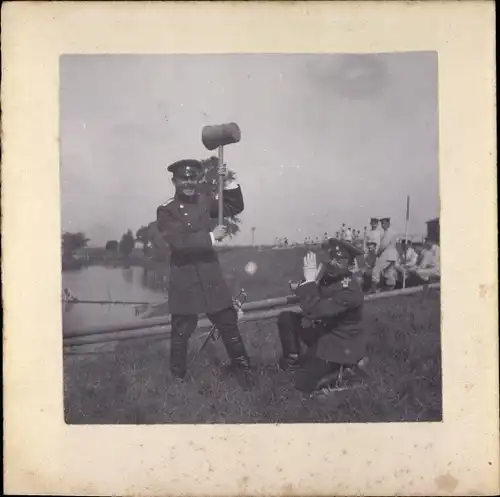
[129,382]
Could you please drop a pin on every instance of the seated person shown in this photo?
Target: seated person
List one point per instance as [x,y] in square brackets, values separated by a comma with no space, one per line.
[408,260]
[329,325]
[428,266]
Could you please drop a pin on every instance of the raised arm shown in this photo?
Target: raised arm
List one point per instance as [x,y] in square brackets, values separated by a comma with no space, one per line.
[232,199]
[316,306]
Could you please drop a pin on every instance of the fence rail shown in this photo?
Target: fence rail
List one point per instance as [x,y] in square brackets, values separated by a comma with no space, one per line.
[161,326]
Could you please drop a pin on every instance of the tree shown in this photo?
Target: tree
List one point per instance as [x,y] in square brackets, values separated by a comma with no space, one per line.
[142,235]
[209,185]
[127,243]
[71,242]
[112,246]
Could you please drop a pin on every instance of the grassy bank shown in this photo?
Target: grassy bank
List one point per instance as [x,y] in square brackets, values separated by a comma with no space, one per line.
[129,382]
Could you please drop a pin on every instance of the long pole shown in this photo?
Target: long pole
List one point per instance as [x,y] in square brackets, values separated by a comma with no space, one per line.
[221,186]
[162,327]
[406,237]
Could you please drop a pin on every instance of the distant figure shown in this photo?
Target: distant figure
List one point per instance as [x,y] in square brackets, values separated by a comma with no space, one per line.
[325,237]
[374,234]
[410,256]
[369,263]
[429,264]
[348,235]
[387,258]
[343,231]
[285,242]
[408,260]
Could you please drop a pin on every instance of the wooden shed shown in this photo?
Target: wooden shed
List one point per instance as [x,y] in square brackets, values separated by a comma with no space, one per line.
[433,229]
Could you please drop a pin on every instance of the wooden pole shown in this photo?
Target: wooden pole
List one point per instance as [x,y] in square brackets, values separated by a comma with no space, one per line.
[162,328]
[165,320]
[221,187]
[406,237]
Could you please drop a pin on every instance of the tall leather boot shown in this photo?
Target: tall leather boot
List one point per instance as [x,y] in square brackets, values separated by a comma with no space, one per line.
[182,328]
[290,343]
[226,322]
[235,348]
[178,355]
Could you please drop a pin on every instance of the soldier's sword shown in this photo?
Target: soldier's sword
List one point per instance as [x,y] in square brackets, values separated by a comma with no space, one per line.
[238,302]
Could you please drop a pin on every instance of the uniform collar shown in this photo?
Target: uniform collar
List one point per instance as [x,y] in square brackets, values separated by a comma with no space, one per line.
[187,199]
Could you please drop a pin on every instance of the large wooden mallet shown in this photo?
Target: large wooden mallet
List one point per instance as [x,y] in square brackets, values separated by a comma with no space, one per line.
[216,137]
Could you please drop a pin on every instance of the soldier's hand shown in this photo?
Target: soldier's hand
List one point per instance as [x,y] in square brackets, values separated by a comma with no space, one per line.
[219,232]
[222,170]
[310,267]
[306,322]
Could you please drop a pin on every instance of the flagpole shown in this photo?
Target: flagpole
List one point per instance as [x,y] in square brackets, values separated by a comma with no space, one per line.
[406,237]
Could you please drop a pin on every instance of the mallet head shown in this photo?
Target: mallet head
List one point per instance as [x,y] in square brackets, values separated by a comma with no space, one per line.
[219,135]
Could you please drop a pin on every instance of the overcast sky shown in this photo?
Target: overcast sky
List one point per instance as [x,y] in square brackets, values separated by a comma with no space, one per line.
[326,139]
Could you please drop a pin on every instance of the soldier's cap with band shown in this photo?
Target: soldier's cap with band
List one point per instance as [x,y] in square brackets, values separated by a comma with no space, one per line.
[342,248]
[374,219]
[185,168]
[341,253]
[385,219]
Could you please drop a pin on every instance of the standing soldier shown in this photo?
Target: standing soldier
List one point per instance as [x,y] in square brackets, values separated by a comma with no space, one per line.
[387,257]
[196,284]
[374,234]
[329,325]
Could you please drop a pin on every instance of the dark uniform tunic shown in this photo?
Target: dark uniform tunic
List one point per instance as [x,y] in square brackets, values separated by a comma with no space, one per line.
[196,285]
[335,306]
[333,331]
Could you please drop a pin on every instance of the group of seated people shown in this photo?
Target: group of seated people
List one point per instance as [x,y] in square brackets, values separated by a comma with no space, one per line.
[417,264]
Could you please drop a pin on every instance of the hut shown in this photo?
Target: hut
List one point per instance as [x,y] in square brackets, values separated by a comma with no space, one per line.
[433,229]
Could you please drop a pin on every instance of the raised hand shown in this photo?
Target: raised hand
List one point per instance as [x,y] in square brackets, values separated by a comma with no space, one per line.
[310,267]
[222,170]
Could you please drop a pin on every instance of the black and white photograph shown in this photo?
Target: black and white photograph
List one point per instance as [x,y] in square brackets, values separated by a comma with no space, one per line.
[250,238]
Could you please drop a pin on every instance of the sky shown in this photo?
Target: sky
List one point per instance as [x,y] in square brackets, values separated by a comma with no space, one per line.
[326,139]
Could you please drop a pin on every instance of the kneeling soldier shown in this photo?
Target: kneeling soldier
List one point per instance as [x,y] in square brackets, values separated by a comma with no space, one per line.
[330,324]
[197,285]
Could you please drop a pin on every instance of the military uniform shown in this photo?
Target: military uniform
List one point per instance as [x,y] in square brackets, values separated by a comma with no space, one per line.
[197,285]
[330,326]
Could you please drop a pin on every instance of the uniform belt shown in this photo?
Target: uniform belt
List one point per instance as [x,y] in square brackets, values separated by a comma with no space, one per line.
[185,258]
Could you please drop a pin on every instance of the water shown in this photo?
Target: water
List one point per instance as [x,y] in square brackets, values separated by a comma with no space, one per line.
[110,283]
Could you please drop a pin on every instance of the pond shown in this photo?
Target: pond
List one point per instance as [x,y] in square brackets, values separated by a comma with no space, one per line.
[133,284]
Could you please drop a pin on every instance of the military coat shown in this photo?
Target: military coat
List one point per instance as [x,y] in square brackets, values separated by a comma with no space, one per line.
[196,284]
[335,304]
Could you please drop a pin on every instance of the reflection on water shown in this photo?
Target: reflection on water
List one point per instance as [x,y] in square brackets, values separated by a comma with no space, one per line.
[133,284]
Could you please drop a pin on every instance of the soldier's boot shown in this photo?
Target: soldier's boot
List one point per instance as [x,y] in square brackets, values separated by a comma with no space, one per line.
[240,362]
[374,287]
[289,362]
[290,344]
[178,355]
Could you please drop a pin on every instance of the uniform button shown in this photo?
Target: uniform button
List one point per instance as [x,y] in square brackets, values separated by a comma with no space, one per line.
[185,213]
[181,206]
[189,224]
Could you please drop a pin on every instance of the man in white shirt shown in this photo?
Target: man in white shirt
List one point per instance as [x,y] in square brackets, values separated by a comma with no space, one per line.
[374,234]
[408,260]
[387,257]
[429,265]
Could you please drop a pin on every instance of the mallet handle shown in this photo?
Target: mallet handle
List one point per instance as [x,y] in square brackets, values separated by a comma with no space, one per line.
[221,186]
